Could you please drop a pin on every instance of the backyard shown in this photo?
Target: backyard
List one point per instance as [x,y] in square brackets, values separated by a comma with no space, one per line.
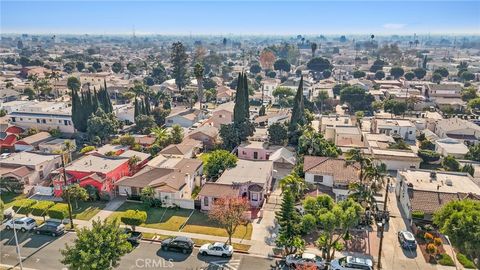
[177,219]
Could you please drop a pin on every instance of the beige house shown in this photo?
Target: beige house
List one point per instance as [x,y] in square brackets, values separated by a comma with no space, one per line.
[222,115]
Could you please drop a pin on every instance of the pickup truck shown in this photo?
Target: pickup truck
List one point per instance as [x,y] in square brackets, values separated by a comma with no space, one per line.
[133,237]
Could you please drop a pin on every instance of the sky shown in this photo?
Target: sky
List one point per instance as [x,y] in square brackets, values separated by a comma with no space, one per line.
[240,17]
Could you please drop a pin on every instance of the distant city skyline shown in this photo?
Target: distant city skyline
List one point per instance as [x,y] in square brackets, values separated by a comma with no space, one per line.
[240,17]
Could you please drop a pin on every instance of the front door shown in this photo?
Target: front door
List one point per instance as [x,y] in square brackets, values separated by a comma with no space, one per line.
[255,155]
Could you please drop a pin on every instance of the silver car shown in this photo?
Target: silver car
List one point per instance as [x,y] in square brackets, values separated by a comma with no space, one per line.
[351,263]
[294,260]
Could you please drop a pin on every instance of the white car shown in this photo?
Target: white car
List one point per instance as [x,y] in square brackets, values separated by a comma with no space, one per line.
[216,249]
[24,224]
[305,259]
[351,263]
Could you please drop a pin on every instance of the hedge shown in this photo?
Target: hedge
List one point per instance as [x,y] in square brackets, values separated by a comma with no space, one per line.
[446,260]
[418,214]
[428,156]
[58,211]
[465,261]
[23,206]
[134,218]
[40,209]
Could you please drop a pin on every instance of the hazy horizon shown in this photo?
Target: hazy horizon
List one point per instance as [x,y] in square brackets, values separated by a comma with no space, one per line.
[241,18]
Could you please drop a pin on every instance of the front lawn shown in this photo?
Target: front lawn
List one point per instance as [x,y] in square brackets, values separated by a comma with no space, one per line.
[157,218]
[86,210]
[200,223]
[9,198]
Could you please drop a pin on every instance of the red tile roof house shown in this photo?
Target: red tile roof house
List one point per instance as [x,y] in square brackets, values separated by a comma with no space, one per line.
[249,179]
[96,170]
[7,142]
[331,175]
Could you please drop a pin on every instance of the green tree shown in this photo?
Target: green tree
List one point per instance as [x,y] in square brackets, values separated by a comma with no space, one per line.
[442,71]
[314,48]
[230,136]
[395,107]
[147,195]
[178,58]
[357,98]
[459,220]
[282,65]
[336,224]
[134,218]
[469,93]
[397,72]
[99,247]
[11,184]
[297,119]
[117,67]
[314,144]
[474,104]
[295,184]
[255,69]
[468,168]
[176,134]
[319,64]
[73,83]
[289,221]
[467,76]
[321,98]
[377,65]
[277,134]
[428,156]
[217,162]
[327,73]
[23,206]
[58,211]
[77,193]
[144,123]
[436,78]
[379,75]
[449,163]
[420,73]
[474,152]
[228,212]
[357,74]
[409,76]
[198,72]
[102,125]
[159,74]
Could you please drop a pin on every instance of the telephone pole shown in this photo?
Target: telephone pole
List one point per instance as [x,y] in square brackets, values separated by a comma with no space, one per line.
[382,227]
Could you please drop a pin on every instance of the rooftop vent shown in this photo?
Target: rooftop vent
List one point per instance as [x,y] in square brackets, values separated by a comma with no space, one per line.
[449,182]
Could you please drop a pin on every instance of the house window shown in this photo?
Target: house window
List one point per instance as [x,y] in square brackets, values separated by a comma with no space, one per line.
[410,132]
[169,121]
[38,121]
[318,178]
[205,201]
[255,155]
[44,121]
[65,122]
[13,119]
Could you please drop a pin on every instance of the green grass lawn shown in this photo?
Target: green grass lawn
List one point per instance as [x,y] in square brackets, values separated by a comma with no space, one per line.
[9,198]
[200,223]
[86,210]
[157,218]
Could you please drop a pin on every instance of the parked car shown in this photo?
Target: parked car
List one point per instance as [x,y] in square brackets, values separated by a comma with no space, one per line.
[24,224]
[298,260]
[179,243]
[133,237]
[217,249]
[351,263]
[50,228]
[407,240]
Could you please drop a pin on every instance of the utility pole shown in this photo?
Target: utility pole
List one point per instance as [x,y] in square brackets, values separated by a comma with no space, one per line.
[379,265]
[65,189]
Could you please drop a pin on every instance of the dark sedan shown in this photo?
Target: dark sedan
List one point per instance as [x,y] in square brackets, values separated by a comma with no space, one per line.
[50,228]
[179,243]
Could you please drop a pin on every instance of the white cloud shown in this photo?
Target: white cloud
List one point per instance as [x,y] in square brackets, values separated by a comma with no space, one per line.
[394,25]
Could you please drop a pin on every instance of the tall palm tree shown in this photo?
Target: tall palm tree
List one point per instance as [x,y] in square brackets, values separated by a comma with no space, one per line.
[161,136]
[68,148]
[294,184]
[356,155]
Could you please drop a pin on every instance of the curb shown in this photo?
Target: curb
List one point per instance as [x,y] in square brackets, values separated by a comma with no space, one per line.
[195,245]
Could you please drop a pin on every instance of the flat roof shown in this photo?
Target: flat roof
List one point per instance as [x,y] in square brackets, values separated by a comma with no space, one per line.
[27,158]
[247,170]
[421,180]
[94,163]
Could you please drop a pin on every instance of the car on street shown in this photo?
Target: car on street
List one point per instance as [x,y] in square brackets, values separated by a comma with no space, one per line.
[179,243]
[351,263]
[217,249]
[50,228]
[304,259]
[24,224]
[133,237]
[407,240]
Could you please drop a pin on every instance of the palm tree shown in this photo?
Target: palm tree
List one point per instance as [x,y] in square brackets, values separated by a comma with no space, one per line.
[198,72]
[294,184]
[314,47]
[68,148]
[161,136]
[356,155]
[322,96]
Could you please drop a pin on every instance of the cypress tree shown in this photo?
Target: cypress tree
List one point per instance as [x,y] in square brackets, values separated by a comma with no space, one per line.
[298,114]
[147,105]
[239,108]
[246,93]
[137,109]
[75,109]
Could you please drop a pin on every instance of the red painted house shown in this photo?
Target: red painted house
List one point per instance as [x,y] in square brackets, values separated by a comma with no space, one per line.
[96,170]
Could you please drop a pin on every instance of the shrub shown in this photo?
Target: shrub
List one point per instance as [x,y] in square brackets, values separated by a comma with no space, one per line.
[58,211]
[428,237]
[134,218]
[104,196]
[431,248]
[40,209]
[465,261]
[428,156]
[418,214]
[23,206]
[445,259]
[437,241]
[87,149]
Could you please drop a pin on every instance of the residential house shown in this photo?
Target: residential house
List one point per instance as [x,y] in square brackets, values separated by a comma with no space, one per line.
[32,142]
[222,115]
[334,121]
[224,94]
[206,134]
[345,136]
[185,118]
[267,120]
[187,149]
[7,95]
[293,83]
[331,175]
[249,179]
[39,165]
[403,128]
[7,142]
[456,128]
[446,90]
[55,145]
[269,85]
[451,147]
[144,140]
[424,192]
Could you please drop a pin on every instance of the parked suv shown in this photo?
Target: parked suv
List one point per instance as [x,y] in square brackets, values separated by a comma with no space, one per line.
[407,240]
[50,228]
[351,263]
[24,224]
[179,243]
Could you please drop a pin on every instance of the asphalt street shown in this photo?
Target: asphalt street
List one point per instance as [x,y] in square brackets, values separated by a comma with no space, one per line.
[43,252]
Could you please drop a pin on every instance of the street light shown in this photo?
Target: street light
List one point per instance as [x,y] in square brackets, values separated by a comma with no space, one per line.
[453,251]
[17,247]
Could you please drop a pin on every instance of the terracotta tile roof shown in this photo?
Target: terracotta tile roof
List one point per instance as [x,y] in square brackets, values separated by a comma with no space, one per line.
[176,149]
[144,140]
[341,171]
[219,190]
[14,130]
[430,201]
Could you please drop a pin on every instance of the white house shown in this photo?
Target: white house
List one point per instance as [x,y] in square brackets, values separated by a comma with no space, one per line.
[405,128]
